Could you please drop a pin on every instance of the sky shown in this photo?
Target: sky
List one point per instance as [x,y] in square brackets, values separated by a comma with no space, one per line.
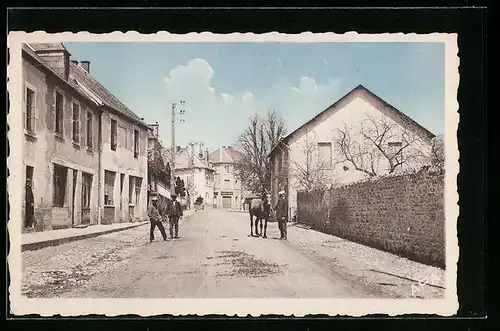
[224,84]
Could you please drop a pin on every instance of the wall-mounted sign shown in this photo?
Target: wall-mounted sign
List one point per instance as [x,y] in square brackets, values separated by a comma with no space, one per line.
[226,193]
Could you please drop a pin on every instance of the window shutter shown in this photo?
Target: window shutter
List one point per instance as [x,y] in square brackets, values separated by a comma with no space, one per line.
[34,119]
[24,108]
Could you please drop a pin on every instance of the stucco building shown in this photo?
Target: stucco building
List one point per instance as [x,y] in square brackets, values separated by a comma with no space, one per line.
[192,165]
[334,148]
[228,190]
[84,151]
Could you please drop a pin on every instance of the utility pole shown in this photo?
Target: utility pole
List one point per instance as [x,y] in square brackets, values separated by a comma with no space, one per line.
[182,112]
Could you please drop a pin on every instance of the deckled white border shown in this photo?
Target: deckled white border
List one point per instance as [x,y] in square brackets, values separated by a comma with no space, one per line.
[298,307]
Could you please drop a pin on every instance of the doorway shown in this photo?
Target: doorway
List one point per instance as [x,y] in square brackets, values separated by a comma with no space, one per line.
[29,208]
[226,202]
[75,174]
[122,180]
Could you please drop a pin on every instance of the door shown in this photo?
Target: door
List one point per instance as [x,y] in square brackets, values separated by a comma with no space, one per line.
[226,202]
[122,180]
[75,174]
[29,199]
[86,193]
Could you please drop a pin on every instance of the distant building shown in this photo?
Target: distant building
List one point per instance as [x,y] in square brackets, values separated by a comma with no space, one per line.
[288,158]
[228,190]
[84,151]
[193,166]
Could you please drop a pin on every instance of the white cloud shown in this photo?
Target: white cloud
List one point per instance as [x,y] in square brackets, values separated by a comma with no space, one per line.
[308,85]
[247,97]
[227,96]
[193,82]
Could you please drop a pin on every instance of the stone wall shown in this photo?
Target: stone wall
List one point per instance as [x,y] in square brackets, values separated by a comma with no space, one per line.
[401,214]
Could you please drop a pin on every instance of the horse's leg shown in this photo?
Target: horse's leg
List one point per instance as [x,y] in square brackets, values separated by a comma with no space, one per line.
[265,227]
[251,225]
[257,226]
[261,226]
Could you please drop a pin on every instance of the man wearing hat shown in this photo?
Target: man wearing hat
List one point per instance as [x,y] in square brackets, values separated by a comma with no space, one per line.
[155,219]
[281,214]
[175,213]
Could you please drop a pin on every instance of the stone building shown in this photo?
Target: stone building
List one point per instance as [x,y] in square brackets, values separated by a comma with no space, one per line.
[228,190]
[84,151]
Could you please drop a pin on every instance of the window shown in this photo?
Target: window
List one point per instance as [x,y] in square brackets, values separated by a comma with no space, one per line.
[122,137]
[136,144]
[138,183]
[325,153]
[60,179]
[113,135]
[86,189]
[30,124]
[59,113]
[76,122]
[89,130]
[109,187]
[227,184]
[131,185]
[226,169]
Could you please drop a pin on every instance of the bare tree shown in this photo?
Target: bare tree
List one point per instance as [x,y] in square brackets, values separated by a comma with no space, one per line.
[312,170]
[437,156]
[262,134]
[376,142]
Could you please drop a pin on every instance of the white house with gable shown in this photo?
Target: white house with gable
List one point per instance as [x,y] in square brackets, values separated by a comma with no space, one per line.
[359,136]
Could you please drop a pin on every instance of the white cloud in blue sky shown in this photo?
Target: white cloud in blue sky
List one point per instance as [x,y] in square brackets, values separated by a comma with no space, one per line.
[224,84]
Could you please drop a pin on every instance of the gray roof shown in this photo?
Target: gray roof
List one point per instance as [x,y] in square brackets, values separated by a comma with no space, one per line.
[78,76]
[370,97]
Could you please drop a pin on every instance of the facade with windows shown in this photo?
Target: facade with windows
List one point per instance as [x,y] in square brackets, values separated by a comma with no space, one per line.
[67,127]
[228,191]
[192,165]
[313,151]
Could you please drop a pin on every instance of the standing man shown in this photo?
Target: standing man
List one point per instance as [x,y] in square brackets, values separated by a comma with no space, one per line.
[174,216]
[281,215]
[155,219]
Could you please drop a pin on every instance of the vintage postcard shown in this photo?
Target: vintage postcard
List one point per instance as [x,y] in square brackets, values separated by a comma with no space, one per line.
[238,174]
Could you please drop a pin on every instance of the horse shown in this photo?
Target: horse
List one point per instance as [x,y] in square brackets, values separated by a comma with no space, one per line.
[164,205]
[261,209]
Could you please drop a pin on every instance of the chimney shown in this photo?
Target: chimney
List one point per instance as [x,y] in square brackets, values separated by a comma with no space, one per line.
[75,62]
[206,155]
[85,65]
[56,56]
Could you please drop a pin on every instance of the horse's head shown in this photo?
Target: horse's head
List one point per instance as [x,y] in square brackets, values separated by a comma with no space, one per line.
[266,198]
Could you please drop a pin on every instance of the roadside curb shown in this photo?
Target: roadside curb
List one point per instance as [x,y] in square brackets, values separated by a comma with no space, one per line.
[59,241]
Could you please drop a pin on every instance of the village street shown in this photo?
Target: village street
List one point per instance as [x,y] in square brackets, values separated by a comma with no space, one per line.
[216,257]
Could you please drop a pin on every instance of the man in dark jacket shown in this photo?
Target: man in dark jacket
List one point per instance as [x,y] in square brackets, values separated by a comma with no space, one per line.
[281,214]
[155,219]
[175,214]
